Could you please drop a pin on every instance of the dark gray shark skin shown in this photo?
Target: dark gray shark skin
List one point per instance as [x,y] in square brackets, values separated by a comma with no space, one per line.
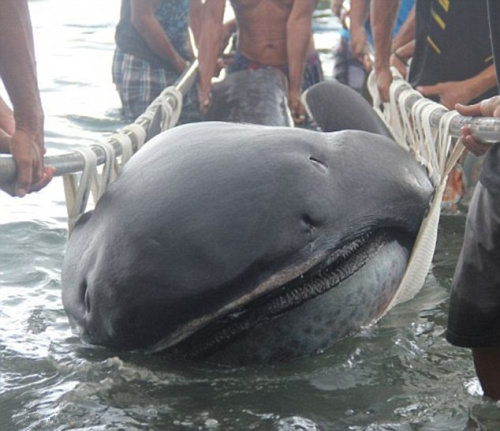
[251,96]
[247,96]
[335,106]
[245,244]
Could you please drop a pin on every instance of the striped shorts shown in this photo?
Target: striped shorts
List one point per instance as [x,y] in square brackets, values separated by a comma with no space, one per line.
[139,82]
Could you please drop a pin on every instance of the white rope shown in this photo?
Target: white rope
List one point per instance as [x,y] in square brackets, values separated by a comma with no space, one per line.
[136,131]
[109,172]
[433,148]
[171,111]
[124,141]
[423,250]
[77,193]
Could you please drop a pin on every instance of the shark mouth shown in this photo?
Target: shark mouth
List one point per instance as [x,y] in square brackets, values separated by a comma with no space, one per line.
[338,267]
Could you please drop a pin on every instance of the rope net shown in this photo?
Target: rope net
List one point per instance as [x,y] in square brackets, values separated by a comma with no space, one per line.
[94,178]
[436,149]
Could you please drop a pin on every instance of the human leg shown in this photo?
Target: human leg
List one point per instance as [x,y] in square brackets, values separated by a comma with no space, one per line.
[487,365]
[138,82]
[474,310]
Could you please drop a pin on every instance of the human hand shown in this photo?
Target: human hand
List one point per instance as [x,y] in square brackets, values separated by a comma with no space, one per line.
[475,147]
[204,98]
[359,43]
[297,110]
[367,63]
[384,81]
[450,93]
[224,61]
[486,108]
[32,175]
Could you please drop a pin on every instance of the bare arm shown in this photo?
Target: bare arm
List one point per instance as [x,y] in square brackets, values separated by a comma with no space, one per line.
[403,44]
[18,71]
[451,93]
[144,20]
[210,46]
[401,56]
[383,15]
[195,19]
[359,39]
[406,32]
[299,33]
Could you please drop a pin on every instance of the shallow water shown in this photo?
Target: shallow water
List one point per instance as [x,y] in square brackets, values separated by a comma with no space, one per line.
[398,375]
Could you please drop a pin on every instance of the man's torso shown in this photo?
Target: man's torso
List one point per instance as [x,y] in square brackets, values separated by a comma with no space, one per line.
[262,26]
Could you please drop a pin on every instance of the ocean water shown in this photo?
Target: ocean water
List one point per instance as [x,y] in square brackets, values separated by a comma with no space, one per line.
[398,375]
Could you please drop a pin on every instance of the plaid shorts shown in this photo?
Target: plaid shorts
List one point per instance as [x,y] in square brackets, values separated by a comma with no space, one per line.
[139,82]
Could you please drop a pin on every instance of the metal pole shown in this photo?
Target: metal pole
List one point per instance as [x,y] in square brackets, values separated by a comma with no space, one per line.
[74,162]
[484,129]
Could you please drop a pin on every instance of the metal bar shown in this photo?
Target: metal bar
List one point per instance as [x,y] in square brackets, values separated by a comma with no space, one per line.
[484,129]
[74,162]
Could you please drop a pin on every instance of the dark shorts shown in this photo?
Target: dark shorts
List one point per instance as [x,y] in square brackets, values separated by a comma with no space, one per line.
[139,83]
[313,72]
[474,315]
[346,69]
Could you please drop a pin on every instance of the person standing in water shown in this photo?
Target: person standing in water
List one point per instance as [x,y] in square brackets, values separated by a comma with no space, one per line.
[152,50]
[21,130]
[276,33]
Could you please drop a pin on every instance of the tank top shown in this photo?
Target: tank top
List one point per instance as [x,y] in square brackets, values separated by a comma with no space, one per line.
[173,16]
